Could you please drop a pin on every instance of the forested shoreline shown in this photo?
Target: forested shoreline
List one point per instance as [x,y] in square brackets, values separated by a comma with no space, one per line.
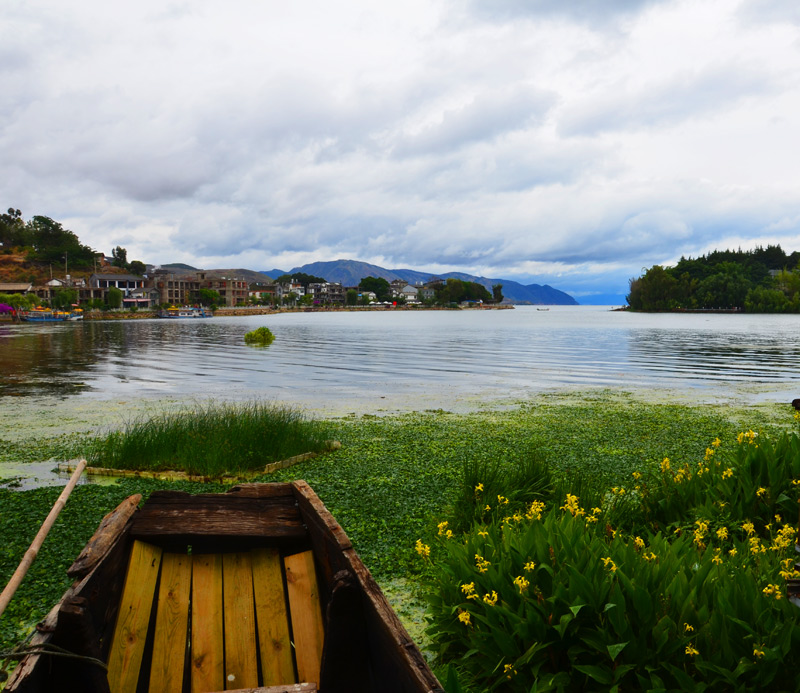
[763,280]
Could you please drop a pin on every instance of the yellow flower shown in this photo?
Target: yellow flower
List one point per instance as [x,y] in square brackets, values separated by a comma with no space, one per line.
[422,549]
[665,465]
[608,563]
[740,438]
[490,600]
[488,508]
[732,552]
[777,518]
[716,559]
[638,543]
[484,533]
[535,511]
[650,556]
[463,616]
[691,651]
[722,533]
[509,670]
[529,566]
[449,534]
[479,488]
[637,475]
[521,582]
[727,473]
[502,500]
[442,526]
[758,653]
[761,491]
[716,443]
[709,454]
[687,628]
[748,527]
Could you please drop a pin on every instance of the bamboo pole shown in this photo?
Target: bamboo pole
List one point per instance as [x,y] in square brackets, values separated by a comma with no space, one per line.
[32,552]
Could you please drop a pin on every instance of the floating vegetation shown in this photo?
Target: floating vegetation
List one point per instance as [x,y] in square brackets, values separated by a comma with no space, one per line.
[260,337]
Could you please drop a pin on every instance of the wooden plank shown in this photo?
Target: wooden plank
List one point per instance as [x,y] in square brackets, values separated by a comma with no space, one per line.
[111,528]
[241,660]
[272,621]
[207,673]
[172,623]
[176,514]
[127,645]
[306,613]
[398,660]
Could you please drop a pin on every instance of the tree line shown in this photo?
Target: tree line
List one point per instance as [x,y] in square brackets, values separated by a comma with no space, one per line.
[46,241]
[763,280]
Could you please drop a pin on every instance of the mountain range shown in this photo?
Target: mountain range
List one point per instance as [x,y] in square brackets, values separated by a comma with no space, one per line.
[351,272]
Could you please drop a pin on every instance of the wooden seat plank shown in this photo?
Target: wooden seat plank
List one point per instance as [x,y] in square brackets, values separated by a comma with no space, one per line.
[172,623]
[272,621]
[207,673]
[241,660]
[306,614]
[133,619]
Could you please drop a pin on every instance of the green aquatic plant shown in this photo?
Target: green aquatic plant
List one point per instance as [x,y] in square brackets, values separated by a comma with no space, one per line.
[261,336]
[210,439]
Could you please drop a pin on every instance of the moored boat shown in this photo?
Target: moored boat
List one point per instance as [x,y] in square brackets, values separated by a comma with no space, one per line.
[40,314]
[258,589]
[185,312]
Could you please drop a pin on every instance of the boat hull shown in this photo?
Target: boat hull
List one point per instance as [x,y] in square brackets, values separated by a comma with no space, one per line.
[362,646]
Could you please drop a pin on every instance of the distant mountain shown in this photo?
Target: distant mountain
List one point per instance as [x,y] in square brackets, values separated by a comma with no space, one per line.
[351,272]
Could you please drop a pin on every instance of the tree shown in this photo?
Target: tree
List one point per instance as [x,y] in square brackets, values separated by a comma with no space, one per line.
[137,267]
[377,285]
[351,298]
[120,256]
[114,297]
[209,297]
[497,293]
[300,278]
[12,229]
[53,243]
[65,298]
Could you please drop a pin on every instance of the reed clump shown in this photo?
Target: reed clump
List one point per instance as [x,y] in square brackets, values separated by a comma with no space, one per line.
[210,439]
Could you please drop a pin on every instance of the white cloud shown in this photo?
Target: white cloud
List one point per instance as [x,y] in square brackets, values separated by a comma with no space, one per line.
[565,143]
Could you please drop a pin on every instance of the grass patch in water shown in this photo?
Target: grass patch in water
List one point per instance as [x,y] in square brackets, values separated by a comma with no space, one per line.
[211,439]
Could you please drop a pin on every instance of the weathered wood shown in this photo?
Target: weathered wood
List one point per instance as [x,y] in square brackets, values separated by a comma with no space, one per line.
[108,533]
[396,659]
[272,622]
[207,672]
[241,660]
[170,514]
[127,646]
[79,635]
[172,623]
[306,614]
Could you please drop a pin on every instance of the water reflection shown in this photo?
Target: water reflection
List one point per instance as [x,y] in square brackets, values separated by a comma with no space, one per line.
[359,355]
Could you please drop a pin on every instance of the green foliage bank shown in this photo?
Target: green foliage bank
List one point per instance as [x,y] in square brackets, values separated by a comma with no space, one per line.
[764,280]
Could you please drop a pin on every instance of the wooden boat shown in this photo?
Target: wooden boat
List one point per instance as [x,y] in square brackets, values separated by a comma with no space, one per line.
[257,589]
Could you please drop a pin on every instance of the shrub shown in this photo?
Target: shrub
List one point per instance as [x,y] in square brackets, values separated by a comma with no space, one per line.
[261,336]
[573,596]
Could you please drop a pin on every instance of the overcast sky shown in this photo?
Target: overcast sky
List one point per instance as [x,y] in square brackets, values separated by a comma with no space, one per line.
[567,142]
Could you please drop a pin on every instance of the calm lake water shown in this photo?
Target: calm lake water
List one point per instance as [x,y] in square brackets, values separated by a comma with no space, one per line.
[404,360]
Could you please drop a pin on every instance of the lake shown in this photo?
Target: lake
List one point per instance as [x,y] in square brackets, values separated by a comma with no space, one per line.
[402,360]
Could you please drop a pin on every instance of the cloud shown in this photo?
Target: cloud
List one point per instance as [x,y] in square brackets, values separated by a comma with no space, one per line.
[580,11]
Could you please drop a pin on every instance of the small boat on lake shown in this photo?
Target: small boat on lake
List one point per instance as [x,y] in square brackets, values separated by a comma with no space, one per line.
[258,589]
[49,315]
[185,312]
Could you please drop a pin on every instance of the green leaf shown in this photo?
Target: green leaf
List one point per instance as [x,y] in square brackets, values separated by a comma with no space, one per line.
[599,674]
[614,650]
